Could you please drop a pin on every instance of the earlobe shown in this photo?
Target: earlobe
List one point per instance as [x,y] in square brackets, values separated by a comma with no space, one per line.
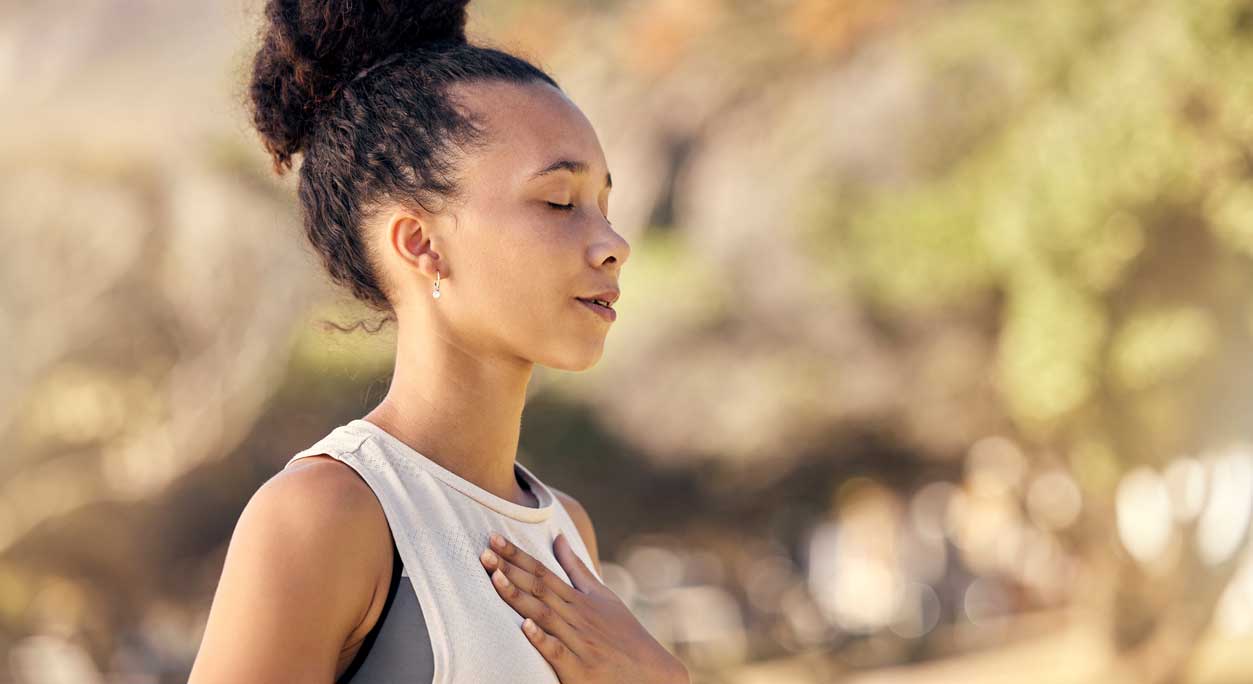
[415,243]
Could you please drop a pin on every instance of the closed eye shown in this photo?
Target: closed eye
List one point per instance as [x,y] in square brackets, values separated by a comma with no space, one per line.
[568,207]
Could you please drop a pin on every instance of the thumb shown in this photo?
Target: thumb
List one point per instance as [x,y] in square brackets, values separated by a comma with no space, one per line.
[583,578]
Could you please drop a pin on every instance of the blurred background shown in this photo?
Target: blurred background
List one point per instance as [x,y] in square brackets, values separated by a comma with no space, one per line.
[933,361]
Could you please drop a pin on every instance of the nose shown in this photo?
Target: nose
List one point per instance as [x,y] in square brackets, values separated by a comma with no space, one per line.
[612,249]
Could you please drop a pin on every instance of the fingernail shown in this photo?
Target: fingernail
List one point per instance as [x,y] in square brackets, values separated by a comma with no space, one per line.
[488,556]
[498,541]
[500,578]
[528,626]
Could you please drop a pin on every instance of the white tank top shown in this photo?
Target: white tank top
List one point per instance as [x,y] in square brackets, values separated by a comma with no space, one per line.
[440,523]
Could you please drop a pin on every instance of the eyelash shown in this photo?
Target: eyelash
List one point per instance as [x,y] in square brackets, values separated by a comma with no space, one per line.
[568,207]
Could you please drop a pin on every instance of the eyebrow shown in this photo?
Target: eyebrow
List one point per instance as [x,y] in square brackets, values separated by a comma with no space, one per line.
[571,165]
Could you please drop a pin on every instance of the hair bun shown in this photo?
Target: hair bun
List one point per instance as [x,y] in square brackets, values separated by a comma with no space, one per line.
[312,47]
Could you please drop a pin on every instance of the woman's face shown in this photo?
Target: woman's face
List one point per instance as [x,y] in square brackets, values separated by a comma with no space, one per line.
[530,236]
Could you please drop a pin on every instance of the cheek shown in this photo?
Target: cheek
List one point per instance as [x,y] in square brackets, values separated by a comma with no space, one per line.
[522,269]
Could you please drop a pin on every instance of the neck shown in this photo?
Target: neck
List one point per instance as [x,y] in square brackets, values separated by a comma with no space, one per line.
[462,410]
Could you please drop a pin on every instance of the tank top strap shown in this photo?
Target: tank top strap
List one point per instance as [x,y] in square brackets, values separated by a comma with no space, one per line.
[342,440]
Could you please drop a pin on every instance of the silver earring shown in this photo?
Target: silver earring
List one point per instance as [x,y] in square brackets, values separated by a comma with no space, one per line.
[435,292]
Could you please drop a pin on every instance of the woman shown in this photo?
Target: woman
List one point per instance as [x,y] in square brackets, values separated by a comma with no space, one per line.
[457,189]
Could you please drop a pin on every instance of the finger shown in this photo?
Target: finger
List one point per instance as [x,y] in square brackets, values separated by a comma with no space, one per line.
[584,579]
[510,552]
[536,586]
[568,665]
[537,611]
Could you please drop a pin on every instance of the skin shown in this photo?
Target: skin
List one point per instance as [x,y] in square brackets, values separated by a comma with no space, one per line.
[584,631]
[510,268]
[308,565]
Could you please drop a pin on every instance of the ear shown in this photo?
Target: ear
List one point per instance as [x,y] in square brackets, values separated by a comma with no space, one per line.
[582,521]
[411,236]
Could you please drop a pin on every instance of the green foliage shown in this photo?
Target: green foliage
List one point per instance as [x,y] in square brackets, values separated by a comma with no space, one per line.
[1109,199]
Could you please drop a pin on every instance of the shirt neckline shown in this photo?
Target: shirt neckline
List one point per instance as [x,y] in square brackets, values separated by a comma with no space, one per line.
[501,505]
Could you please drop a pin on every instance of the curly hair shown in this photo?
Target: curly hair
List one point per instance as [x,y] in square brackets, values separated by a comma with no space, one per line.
[360,88]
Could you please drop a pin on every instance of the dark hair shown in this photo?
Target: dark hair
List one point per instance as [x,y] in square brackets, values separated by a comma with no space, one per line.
[361,90]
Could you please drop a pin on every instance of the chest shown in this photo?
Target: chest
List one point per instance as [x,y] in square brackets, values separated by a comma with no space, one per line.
[476,636]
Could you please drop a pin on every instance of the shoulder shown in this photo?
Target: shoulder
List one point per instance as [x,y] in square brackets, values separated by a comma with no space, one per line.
[331,503]
[321,479]
[300,576]
[321,512]
[581,520]
[328,498]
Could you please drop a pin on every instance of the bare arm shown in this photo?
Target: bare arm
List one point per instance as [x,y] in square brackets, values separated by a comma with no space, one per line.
[297,580]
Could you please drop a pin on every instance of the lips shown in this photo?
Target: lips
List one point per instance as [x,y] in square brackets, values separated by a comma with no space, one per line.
[605,312]
[606,297]
[603,302]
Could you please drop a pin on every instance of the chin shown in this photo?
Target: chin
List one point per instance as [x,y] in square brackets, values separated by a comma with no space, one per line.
[579,360]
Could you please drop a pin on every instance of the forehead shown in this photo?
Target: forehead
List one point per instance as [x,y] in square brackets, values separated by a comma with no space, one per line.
[529,125]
